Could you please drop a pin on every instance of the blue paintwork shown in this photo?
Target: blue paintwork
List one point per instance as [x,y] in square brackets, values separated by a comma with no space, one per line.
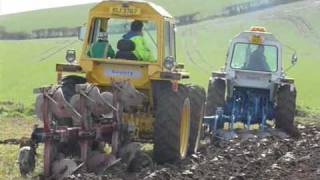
[247,105]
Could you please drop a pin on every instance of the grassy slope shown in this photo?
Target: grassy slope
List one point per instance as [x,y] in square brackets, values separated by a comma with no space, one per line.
[212,38]
[205,44]
[25,67]
[76,15]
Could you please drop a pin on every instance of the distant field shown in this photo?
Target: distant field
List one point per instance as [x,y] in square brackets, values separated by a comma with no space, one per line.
[29,64]
[77,15]
[201,46]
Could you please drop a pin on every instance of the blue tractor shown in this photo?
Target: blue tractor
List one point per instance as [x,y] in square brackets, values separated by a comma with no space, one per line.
[252,88]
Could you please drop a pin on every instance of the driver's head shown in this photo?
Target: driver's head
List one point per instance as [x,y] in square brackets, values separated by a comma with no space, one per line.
[103,36]
[136,26]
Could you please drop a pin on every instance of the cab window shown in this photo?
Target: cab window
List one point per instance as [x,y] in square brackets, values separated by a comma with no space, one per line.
[115,39]
[255,57]
[169,40]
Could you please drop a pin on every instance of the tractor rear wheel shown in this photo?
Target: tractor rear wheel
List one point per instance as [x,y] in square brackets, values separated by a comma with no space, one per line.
[285,110]
[172,125]
[216,97]
[68,85]
[197,96]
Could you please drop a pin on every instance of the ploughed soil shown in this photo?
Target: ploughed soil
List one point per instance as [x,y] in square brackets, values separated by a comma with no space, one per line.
[271,157]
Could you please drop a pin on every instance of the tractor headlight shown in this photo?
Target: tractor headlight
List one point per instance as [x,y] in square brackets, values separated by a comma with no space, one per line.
[71,56]
[169,63]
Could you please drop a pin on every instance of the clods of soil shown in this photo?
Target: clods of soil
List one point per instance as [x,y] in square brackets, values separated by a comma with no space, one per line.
[253,157]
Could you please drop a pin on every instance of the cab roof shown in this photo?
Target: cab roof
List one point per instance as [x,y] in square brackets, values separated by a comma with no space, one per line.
[247,35]
[149,8]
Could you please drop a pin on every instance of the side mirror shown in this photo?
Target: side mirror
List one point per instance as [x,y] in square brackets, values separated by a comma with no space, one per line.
[82,33]
[294,59]
[71,56]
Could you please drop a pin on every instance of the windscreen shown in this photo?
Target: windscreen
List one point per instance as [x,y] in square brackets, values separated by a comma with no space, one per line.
[255,57]
[123,39]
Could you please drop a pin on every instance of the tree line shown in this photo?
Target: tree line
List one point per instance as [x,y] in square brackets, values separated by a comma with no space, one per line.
[252,6]
[40,33]
[60,32]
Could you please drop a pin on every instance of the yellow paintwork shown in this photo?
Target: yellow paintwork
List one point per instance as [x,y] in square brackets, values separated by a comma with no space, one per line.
[258,29]
[97,72]
[256,39]
[125,11]
[145,11]
[184,128]
[102,72]
[143,121]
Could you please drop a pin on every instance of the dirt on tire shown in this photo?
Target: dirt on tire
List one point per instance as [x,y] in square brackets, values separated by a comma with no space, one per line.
[197,97]
[286,109]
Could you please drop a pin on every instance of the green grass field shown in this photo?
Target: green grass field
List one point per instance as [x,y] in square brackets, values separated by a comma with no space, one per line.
[28,64]
[77,15]
[201,46]
[24,66]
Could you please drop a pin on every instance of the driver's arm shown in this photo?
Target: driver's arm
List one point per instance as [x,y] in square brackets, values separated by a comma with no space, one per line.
[142,51]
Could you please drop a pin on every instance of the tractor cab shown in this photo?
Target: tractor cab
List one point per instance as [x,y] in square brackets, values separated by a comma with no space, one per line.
[255,50]
[131,39]
[254,57]
[111,39]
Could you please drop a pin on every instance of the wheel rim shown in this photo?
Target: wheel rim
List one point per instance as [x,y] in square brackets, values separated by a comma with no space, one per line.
[199,130]
[184,128]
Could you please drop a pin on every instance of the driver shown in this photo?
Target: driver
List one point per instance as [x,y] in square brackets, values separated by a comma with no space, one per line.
[142,52]
[257,60]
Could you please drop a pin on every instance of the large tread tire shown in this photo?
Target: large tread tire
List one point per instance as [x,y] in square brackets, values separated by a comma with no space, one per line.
[69,83]
[215,97]
[167,124]
[68,87]
[285,110]
[197,96]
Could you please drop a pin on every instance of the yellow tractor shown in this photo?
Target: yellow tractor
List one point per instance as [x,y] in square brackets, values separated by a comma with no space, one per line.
[125,87]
